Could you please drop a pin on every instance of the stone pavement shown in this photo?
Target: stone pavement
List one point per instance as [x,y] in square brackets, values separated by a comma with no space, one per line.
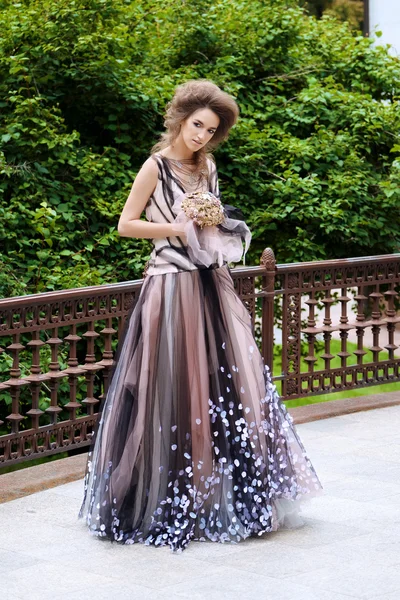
[349,546]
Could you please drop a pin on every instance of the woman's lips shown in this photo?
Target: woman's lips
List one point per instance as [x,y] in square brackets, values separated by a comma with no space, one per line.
[198,143]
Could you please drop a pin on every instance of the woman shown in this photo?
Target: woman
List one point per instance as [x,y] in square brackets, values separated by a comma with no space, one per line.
[193,442]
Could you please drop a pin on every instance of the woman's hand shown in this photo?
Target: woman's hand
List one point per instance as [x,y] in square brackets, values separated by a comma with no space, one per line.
[178,230]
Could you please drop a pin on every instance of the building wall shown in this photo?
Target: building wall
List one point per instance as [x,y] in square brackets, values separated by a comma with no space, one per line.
[384,15]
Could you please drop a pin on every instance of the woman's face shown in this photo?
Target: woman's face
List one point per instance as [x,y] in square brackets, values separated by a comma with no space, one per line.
[199,128]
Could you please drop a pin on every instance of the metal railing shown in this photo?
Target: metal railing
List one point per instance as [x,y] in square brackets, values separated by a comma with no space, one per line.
[57,348]
[372,284]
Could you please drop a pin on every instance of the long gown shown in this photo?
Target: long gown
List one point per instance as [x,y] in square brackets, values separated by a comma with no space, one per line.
[192,441]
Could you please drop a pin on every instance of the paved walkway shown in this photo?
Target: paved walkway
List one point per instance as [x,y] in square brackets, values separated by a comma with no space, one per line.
[348,548]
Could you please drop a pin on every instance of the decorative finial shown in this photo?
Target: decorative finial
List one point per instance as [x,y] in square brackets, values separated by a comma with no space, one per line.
[268,259]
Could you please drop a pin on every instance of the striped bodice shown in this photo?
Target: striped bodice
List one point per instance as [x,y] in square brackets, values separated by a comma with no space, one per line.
[169,254]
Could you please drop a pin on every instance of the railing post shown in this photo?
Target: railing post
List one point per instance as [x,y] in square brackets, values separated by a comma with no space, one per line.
[267,328]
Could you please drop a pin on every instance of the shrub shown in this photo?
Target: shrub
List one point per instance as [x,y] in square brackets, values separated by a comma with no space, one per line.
[313,163]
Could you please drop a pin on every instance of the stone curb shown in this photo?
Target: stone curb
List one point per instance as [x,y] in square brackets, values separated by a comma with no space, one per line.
[48,475]
[336,408]
[41,477]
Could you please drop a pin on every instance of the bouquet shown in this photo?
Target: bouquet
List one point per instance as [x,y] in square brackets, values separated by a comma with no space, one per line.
[204,208]
[213,237]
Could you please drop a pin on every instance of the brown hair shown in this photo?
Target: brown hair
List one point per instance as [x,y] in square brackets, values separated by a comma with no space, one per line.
[189,97]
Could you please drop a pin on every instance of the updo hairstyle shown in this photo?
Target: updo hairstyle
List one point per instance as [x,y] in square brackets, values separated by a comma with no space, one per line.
[188,98]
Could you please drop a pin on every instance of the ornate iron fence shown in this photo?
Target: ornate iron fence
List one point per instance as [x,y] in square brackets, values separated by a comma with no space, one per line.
[372,283]
[56,348]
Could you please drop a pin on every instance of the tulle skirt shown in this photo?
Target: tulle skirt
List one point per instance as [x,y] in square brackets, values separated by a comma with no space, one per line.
[192,441]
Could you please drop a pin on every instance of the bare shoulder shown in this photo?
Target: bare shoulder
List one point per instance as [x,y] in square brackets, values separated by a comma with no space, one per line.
[147,176]
[150,167]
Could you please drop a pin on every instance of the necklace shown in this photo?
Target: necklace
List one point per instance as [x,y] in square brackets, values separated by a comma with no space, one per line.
[186,167]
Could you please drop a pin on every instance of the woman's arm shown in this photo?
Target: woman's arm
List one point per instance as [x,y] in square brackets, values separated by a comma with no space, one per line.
[130,224]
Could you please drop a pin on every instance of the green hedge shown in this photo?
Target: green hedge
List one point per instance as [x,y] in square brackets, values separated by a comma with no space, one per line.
[313,163]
